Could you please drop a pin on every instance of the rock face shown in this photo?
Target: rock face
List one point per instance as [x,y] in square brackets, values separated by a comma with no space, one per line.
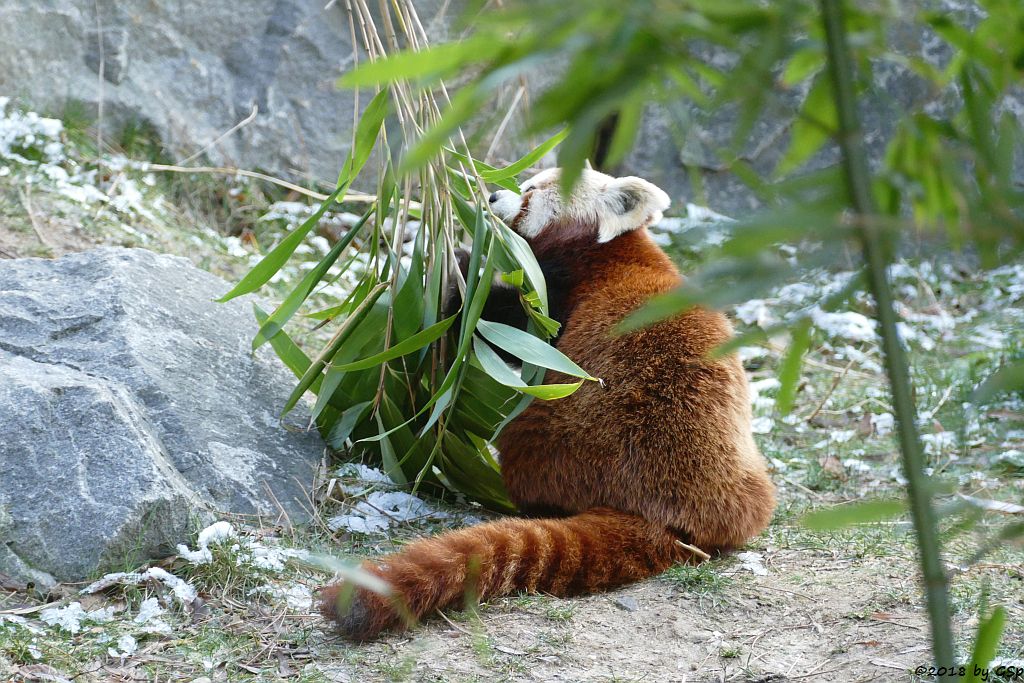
[195,68]
[131,409]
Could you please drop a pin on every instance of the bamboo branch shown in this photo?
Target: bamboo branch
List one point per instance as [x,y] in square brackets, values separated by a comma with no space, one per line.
[876,254]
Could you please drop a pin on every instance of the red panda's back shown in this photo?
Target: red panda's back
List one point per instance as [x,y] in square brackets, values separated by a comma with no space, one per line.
[667,426]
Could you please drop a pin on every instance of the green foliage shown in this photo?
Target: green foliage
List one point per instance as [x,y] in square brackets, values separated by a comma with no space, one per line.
[402,380]
[857,513]
[990,630]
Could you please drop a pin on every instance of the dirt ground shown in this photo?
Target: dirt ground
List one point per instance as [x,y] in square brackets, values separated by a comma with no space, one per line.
[813,618]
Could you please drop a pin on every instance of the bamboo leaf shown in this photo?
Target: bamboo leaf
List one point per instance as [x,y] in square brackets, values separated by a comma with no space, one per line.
[497,369]
[530,349]
[279,318]
[990,632]
[1006,379]
[464,105]
[815,124]
[801,65]
[387,453]
[527,161]
[279,255]
[427,64]
[413,343]
[287,350]
[520,250]
[366,135]
[347,328]
[789,372]
[346,423]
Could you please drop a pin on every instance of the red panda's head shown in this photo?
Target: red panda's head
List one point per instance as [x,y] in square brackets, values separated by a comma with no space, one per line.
[602,204]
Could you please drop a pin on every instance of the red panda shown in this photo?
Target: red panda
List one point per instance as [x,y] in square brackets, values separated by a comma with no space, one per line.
[621,479]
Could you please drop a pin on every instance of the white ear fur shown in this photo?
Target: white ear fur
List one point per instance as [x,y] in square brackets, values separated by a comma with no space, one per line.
[630,203]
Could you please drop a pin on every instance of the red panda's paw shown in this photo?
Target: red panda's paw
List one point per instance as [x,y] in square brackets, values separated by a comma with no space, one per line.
[359,617]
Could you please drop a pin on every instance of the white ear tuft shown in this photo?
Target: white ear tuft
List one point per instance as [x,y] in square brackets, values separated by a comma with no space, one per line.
[630,203]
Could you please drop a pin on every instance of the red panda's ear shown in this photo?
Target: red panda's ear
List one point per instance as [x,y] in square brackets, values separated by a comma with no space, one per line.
[631,203]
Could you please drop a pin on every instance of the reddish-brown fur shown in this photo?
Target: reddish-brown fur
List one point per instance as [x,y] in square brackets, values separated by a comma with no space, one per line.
[661,452]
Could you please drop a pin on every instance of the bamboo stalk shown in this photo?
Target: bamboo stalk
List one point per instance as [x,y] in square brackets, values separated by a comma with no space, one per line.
[876,255]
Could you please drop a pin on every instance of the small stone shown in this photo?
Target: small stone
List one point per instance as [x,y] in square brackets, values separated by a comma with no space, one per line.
[627,603]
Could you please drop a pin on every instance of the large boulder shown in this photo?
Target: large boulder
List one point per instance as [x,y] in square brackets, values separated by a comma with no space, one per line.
[195,68]
[132,409]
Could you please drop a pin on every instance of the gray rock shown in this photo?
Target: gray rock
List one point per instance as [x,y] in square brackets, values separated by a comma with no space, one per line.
[131,410]
[627,603]
[194,69]
[678,145]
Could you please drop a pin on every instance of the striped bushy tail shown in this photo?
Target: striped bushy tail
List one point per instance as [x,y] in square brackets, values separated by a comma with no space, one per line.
[589,552]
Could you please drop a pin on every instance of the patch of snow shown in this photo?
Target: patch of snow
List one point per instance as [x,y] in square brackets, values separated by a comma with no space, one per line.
[842,435]
[762,425]
[862,359]
[797,293]
[936,443]
[129,199]
[149,609]
[71,617]
[752,562]
[847,325]
[381,509]
[749,353]
[356,470]
[19,621]
[755,312]
[297,596]
[126,647]
[272,558]
[218,532]
[883,423]
[856,465]
[988,337]
[759,387]
[182,590]
[234,247]
[29,130]
[247,551]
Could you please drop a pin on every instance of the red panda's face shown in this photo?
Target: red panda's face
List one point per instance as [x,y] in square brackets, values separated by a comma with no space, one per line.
[612,205]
